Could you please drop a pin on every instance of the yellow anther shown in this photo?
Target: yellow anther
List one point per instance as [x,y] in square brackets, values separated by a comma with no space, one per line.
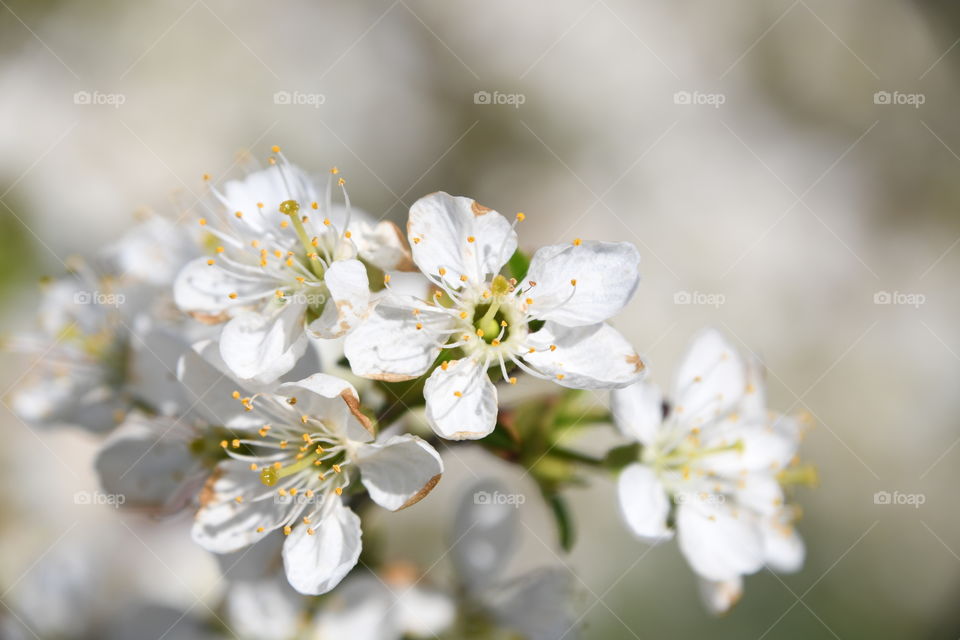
[521,217]
[553,347]
[253,466]
[259,529]
[419,326]
[416,240]
[334,171]
[463,278]
[315,242]
[239,499]
[495,343]
[206,177]
[471,239]
[513,381]
[577,242]
[463,315]
[275,149]
[386,278]
[304,419]
[458,394]
[442,271]
[284,224]
[211,262]
[277,465]
[336,468]
[314,205]
[306,520]
[339,491]
[284,444]
[224,444]
[529,301]
[310,531]
[309,495]
[560,376]
[235,443]
[293,491]
[445,365]
[341,182]
[239,214]
[503,323]
[479,333]
[326,222]
[292,400]
[574,282]
[281,492]
[203,222]
[232,296]
[287,530]
[347,235]
[220,249]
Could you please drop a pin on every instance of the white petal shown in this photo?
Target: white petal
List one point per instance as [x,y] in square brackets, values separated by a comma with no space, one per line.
[783,548]
[710,381]
[439,230]
[204,288]
[317,563]
[424,613]
[209,387]
[224,525]
[262,346]
[718,544]
[146,460]
[461,401]
[486,533]
[760,448]
[152,378]
[383,246]
[537,604]
[590,357]
[361,609]
[399,471]
[606,273]
[638,411]
[267,608]
[388,346]
[349,301]
[268,187]
[720,597]
[329,398]
[644,503]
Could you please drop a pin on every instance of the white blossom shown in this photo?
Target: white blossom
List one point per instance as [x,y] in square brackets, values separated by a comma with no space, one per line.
[461,246]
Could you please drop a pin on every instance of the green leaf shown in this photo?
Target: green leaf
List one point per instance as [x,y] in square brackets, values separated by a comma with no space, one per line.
[620,457]
[518,265]
[561,513]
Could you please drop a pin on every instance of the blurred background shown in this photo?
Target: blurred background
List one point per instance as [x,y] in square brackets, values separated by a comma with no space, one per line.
[788,169]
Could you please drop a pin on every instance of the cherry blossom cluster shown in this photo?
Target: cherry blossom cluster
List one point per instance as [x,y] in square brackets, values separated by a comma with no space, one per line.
[282,364]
